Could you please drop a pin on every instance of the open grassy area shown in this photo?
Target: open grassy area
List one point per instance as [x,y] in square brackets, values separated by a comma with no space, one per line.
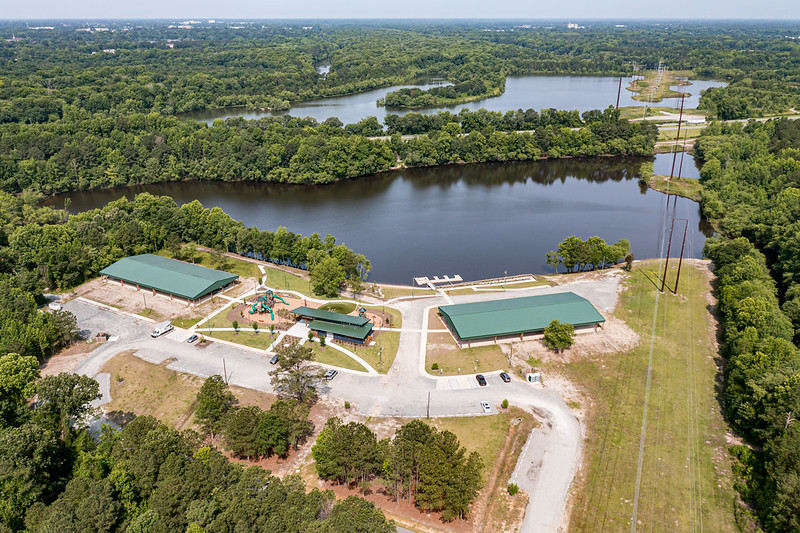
[148,389]
[396,292]
[331,356]
[241,268]
[245,337]
[691,132]
[389,340]
[644,88]
[501,287]
[685,472]
[486,434]
[340,307]
[687,187]
[443,350]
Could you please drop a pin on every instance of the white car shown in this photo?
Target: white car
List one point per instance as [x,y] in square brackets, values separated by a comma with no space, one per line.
[486,407]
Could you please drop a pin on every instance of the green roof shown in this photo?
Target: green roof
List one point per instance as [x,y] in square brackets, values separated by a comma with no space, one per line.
[330,316]
[168,275]
[513,316]
[356,332]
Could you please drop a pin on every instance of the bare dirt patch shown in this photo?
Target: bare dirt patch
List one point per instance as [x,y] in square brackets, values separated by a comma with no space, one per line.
[159,306]
[68,358]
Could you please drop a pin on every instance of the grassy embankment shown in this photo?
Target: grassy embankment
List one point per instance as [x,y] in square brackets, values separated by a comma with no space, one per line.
[686,187]
[685,476]
[650,89]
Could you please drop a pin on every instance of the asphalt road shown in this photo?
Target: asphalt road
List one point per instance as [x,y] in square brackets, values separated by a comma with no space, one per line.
[547,464]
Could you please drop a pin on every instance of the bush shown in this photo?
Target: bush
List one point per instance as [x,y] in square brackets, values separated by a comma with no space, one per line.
[505,404]
[347,405]
[435,366]
[513,489]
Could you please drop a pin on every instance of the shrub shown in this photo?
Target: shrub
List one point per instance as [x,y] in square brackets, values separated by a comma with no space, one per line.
[435,366]
[505,404]
[513,489]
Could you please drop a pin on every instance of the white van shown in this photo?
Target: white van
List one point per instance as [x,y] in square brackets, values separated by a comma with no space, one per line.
[162,328]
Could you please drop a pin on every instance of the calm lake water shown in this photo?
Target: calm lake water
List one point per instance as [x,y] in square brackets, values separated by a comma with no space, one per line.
[474,220]
[524,92]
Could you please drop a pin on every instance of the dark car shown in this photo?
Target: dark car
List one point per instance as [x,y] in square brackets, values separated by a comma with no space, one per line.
[505,377]
[274,360]
[481,380]
[191,339]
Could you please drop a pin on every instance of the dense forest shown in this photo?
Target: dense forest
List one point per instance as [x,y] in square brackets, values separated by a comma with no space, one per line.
[145,478]
[82,152]
[148,67]
[751,180]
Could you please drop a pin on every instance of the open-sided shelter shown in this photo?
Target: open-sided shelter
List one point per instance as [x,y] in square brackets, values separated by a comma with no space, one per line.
[168,276]
[490,320]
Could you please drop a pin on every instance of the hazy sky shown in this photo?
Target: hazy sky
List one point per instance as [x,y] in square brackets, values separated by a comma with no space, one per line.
[305,9]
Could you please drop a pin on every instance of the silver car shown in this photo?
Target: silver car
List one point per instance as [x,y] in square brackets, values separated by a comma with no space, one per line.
[486,407]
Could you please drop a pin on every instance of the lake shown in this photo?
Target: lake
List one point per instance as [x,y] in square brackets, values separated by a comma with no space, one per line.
[474,220]
[522,92]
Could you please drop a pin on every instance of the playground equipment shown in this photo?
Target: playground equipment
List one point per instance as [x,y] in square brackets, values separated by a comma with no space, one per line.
[270,298]
[362,312]
[263,309]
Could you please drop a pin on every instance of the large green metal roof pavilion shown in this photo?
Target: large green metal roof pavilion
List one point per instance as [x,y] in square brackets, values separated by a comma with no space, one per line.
[515,316]
[168,275]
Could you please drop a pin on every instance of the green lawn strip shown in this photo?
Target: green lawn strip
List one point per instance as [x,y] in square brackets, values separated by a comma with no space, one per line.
[686,187]
[687,132]
[389,340]
[451,358]
[397,292]
[685,470]
[245,337]
[331,356]
[186,322]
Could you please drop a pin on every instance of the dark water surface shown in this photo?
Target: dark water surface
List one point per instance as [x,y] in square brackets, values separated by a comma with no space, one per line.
[523,92]
[474,220]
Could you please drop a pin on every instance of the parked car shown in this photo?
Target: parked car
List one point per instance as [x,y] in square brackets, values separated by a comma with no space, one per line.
[505,377]
[481,380]
[486,407]
[192,338]
[330,374]
[274,360]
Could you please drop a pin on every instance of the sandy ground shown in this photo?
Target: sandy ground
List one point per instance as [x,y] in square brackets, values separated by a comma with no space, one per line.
[130,300]
[66,360]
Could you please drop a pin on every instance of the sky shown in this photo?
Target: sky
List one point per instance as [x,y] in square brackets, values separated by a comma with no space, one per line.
[365,9]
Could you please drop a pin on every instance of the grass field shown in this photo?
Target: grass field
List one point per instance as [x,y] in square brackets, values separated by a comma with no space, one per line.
[443,351]
[687,187]
[389,340]
[331,356]
[396,292]
[339,307]
[685,472]
[241,268]
[148,389]
[692,132]
[245,337]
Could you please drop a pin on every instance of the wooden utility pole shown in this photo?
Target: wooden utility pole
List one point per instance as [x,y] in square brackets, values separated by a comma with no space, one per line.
[666,263]
[619,90]
[428,410]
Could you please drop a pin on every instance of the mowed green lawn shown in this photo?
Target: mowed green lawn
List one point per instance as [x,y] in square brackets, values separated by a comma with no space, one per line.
[685,477]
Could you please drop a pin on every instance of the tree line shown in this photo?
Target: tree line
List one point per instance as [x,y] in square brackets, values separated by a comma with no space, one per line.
[272,65]
[43,247]
[751,193]
[575,254]
[81,152]
[420,463]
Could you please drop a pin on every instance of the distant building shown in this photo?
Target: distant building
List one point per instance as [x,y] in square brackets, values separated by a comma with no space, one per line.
[572,26]
[15,39]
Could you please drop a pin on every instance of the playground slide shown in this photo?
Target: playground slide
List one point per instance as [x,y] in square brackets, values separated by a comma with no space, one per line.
[264,309]
[253,309]
[279,298]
